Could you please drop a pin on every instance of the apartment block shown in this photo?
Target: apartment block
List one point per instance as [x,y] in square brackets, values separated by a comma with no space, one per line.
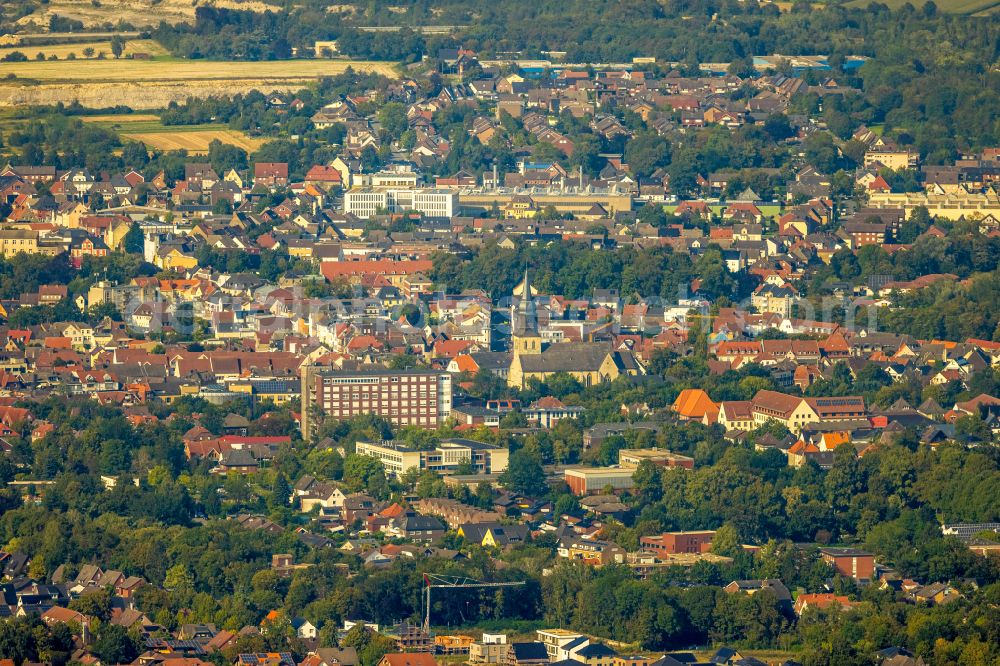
[403,397]
[554,639]
[675,543]
[850,562]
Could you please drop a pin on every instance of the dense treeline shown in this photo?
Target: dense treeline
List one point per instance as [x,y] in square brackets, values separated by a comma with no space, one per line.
[897,491]
[610,602]
[65,141]
[947,309]
[575,271]
[964,252]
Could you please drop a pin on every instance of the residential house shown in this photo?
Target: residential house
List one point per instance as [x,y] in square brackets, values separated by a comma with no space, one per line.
[493,534]
[805,602]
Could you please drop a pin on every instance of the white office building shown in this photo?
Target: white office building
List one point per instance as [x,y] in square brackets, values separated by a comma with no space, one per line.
[365,203]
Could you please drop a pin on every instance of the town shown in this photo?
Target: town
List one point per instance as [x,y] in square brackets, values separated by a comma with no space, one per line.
[507,361]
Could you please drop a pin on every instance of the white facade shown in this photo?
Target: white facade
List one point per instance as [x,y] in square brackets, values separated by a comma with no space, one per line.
[397,457]
[366,203]
[433,203]
[394,180]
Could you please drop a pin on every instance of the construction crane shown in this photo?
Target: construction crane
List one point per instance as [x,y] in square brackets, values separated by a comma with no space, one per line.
[432,581]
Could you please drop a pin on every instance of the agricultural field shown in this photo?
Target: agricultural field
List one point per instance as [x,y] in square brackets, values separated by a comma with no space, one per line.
[170,70]
[195,141]
[148,129]
[117,120]
[62,51]
[968,7]
[140,13]
[153,84]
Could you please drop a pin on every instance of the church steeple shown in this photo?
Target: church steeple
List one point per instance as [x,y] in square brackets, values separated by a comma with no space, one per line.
[524,316]
[525,337]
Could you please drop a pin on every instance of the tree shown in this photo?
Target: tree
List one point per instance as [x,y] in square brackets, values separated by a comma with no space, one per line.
[566,504]
[821,152]
[135,154]
[370,160]
[484,495]
[371,647]
[562,384]
[726,541]
[607,452]
[392,117]
[586,154]
[114,645]
[178,579]
[117,45]
[777,127]
[646,152]
[653,214]
[281,492]
[513,419]
[224,157]
[134,241]
[742,67]
[973,427]
[88,52]
[95,603]
[222,207]
[524,474]
[365,473]
[648,481]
